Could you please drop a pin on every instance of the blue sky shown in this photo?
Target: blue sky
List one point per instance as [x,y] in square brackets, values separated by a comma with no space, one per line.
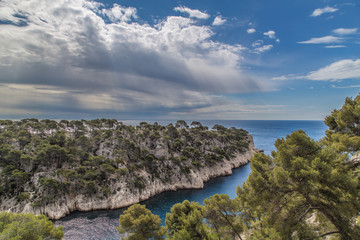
[164,59]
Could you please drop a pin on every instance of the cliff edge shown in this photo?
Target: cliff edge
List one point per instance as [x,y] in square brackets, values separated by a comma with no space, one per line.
[54,168]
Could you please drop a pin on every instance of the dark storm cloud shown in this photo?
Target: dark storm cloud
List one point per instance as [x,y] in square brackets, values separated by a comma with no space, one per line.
[66,58]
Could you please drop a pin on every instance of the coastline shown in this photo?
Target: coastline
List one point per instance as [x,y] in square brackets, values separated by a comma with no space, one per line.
[125,197]
[62,167]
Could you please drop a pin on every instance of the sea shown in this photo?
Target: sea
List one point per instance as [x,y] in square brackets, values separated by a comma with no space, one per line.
[101,224]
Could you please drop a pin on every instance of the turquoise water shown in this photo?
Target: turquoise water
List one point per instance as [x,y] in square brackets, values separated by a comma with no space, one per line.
[102,224]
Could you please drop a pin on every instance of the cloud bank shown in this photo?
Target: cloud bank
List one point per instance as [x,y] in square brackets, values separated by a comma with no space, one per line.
[78,56]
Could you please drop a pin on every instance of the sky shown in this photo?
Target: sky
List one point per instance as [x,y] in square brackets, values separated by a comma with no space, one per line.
[178,59]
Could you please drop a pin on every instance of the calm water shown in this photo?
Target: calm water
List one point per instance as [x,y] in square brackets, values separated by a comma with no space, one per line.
[102,224]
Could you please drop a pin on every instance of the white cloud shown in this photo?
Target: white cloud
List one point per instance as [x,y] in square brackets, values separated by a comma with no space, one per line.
[68,49]
[323,40]
[352,86]
[219,21]
[320,11]
[119,13]
[287,77]
[343,69]
[270,34]
[251,30]
[257,43]
[281,78]
[345,31]
[260,47]
[263,48]
[335,46]
[193,13]
[340,70]
[93,5]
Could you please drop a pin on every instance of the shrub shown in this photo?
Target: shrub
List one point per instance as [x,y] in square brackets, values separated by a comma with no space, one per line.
[106,191]
[23,196]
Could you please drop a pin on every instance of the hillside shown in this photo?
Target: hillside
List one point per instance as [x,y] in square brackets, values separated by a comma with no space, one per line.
[55,168]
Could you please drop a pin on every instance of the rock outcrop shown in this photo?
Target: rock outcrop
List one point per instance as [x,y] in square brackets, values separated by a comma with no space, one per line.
[133,186]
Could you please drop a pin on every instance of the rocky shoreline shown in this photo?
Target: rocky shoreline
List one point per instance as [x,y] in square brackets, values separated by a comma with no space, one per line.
[126,197]
[55,168]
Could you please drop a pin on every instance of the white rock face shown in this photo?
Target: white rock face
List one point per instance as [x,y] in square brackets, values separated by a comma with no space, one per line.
[123,196]
[355,159]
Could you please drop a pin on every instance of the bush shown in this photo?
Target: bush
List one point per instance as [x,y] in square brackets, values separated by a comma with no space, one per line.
[107,168]
[196,164]
[139,183]
[90,187]
[106,191]
[23,196]
[185,169]
[122,171]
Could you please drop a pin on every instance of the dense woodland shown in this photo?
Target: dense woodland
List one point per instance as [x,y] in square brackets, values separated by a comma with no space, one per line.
[41,160]
[306,189]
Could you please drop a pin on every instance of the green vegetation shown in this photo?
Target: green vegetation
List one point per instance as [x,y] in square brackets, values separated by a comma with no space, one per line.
[307,189]
[303,180]
[44,161]
[304,190]
[220,213]
[344,127]
[27,226]
[186,222]
[140,224]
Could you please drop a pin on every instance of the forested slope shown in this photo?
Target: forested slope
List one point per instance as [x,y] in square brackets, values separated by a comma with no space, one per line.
[57,167]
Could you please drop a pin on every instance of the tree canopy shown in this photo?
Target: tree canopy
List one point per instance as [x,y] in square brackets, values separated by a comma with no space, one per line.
[301,181]
[186,222]
[27,226]
[140,224]
[307,189]
[220,213]
[344,127]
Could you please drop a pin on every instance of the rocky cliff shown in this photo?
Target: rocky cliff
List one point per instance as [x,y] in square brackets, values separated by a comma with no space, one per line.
[88,166]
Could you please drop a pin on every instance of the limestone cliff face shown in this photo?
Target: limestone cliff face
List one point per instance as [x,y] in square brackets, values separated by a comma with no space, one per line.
[355,159]
[126,196]
[163,160]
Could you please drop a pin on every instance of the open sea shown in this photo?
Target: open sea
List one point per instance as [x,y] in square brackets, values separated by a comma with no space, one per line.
[102,224]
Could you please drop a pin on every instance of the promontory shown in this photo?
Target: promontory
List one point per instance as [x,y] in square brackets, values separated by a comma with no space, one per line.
[56,167]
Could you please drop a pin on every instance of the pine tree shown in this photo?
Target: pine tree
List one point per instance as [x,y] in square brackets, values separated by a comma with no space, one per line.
[138,223]
[304,190]
[27,226]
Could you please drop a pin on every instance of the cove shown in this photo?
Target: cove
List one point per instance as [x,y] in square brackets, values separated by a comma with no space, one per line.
[102,224]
